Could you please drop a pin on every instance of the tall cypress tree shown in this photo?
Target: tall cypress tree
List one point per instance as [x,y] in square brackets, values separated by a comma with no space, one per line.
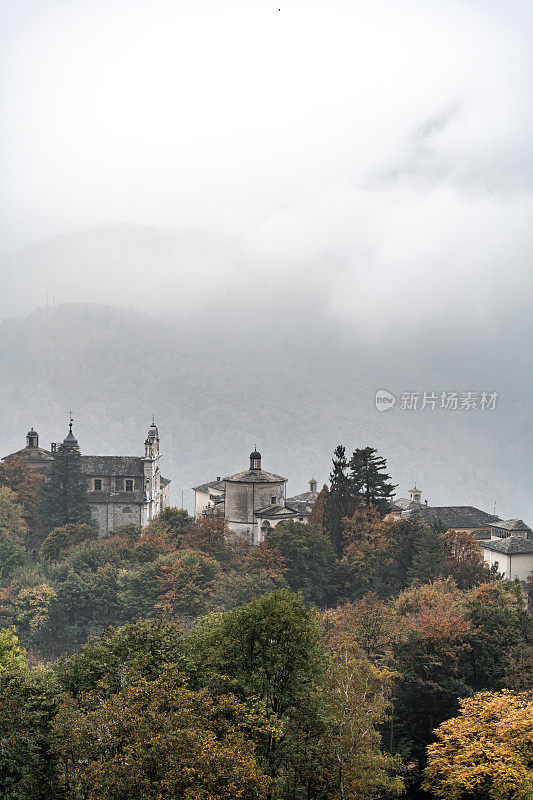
[339,501]
[64,495]
[368,479]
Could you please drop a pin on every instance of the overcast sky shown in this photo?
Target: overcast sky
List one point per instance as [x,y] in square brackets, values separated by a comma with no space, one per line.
[380,150]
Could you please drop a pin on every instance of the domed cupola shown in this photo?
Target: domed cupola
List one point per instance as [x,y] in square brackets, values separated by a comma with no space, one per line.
[70,440]
[32,439]
[255,460]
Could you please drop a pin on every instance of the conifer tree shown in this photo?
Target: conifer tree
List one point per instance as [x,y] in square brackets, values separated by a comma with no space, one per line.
[368,479]
[64,495]
[430,555]
[339,501]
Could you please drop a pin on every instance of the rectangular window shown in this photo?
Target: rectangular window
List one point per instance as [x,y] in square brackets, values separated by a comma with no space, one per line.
[97,487]
[128,485]
[273,500]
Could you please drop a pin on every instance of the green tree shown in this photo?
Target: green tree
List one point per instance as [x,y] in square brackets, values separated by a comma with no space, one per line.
[61,539]
[12,558]
[339,502]
[12,522]
[501,631]
[368,479]
[309,558]
[28,703]
[429,555]
[271,649]
[64,495]
[138,649]
[11,653]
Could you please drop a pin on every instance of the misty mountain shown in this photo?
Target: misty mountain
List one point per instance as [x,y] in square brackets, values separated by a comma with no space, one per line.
[279,373]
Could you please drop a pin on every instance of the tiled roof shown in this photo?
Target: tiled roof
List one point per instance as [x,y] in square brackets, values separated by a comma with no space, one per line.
[404,504]
[255,476]
[454,516]
[305,497]
[37,454]
[511,525]
[207,487]
[275,511]
[510,546]
[123,466]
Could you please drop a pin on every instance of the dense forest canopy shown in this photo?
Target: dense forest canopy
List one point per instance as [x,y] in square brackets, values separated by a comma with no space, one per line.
[338,659]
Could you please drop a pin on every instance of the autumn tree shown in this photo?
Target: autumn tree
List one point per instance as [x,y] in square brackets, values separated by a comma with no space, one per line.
[485,753]
[160,738]
[433,634]
[464,559]
[26,483]
[186,585]
[357,703]
[367,552]
[318,512]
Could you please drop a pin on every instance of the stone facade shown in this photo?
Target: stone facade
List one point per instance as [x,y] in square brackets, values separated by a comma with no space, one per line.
[121,490]
[252,501]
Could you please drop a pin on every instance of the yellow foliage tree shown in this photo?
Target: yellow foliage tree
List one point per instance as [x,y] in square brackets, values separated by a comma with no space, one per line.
[486,753]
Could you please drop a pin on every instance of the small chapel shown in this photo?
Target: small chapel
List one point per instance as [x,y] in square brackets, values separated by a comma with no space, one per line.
[253,501]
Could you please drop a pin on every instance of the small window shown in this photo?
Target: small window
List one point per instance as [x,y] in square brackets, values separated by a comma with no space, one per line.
[128,485]
[273,501]
[301,519]
[97,485]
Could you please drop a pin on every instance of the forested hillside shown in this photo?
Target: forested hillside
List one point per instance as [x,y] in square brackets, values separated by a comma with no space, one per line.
[339,660]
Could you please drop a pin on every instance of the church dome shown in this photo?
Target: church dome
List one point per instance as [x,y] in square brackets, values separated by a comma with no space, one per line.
[32,433]
[70,440]
[255,454]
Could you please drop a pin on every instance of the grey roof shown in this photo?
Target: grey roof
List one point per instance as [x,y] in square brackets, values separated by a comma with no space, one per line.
[206,487]
[304,497]
[404,504]
[511,525]
[302,507]
[276,511]
[36,454]
[510,546]
[255,476]
[164,481]
[122,466]
[454,516]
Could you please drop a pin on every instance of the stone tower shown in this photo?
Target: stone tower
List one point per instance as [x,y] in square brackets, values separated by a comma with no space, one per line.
[152,474]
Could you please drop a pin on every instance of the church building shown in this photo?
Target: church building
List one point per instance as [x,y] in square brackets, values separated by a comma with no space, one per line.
[120,489]
[253,501]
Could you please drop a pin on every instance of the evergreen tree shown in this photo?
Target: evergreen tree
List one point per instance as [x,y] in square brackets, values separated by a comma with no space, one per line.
[339,501]
[368,479]
[64,495]
[430,555]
